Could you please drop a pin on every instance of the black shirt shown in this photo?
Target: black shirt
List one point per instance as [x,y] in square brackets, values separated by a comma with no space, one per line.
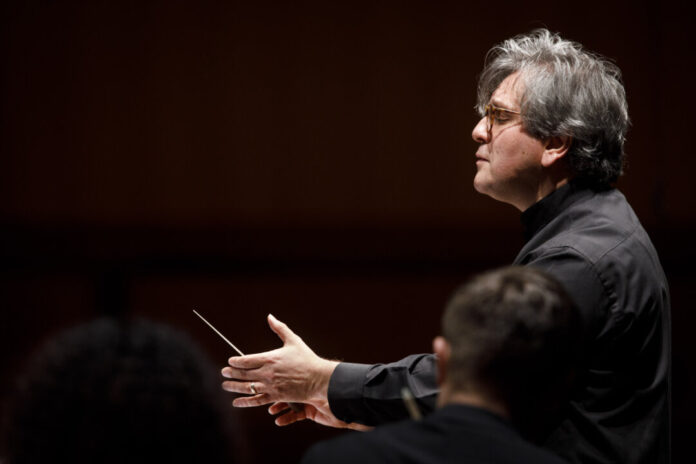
[593,243]
[455,433]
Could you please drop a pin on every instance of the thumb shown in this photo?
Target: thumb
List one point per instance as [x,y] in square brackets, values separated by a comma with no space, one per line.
[281,329]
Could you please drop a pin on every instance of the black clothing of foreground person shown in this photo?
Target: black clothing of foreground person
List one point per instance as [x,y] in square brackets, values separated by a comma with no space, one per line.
[509,339]
[551,135]
[454,433]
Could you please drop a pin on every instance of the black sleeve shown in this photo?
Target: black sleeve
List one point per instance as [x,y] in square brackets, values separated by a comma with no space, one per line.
[371,394]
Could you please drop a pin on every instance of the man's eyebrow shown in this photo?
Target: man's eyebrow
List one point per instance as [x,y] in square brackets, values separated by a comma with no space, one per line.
[500,104]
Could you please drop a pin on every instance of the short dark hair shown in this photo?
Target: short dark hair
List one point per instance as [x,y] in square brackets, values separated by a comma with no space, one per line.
[568,91]
[115,392]
[513,334]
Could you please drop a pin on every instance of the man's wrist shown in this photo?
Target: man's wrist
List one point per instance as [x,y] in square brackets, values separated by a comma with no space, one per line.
[322,378]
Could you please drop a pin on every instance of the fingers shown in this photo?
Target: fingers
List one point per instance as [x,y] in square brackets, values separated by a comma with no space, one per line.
[256,390]
[289,417]
[240,374]
[250,361]
[278,407]
[247,388]
[280,328]
[251,401]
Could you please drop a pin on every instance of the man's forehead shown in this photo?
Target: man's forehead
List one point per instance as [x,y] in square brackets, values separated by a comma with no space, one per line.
[508,92]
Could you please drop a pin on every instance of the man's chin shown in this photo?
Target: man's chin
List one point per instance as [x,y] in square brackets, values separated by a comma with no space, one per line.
[487,189]
[481,187]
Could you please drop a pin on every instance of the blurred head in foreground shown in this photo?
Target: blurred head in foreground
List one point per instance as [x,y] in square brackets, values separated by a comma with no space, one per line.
[109,392]
[509,344]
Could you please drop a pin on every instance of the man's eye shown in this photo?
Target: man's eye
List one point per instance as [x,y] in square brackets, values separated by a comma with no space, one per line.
[501,117]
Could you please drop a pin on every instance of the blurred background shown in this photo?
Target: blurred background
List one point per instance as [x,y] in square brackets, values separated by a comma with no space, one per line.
[311,159]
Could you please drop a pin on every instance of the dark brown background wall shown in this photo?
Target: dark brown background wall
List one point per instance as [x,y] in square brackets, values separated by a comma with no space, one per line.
[309,159]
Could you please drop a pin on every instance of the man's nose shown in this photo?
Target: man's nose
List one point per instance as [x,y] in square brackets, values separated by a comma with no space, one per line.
[480,134]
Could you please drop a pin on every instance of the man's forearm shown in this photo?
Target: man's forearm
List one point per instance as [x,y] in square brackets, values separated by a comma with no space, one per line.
[371,394]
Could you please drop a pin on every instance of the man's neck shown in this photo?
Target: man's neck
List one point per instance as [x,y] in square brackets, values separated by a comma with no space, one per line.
[470,399]
[548,187]
[545,187]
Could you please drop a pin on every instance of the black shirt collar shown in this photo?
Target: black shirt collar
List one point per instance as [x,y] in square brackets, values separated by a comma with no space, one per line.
[540,213]
[455,411]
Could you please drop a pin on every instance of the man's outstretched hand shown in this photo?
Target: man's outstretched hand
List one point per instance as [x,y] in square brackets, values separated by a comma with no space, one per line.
[290,374]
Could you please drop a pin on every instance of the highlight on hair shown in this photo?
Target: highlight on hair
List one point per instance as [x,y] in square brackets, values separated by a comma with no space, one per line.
[568,91]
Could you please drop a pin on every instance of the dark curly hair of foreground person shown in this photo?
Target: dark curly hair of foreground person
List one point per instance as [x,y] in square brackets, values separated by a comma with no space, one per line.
[119,392]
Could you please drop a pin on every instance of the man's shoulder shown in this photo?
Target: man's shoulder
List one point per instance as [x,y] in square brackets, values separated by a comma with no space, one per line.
[598,249]
[436,439]
[379,445]
[596,227]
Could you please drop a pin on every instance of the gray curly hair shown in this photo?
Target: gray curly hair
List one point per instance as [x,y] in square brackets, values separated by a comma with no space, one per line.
[568,91]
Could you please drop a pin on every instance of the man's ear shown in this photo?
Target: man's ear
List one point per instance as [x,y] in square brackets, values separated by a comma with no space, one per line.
[442,352]
[556,149]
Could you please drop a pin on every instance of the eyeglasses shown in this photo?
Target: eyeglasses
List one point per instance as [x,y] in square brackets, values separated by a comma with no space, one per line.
[494,113]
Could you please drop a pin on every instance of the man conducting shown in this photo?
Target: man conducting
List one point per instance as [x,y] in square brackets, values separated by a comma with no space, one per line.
[551,136]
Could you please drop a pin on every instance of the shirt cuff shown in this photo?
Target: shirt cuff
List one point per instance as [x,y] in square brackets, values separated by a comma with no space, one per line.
[346,389]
